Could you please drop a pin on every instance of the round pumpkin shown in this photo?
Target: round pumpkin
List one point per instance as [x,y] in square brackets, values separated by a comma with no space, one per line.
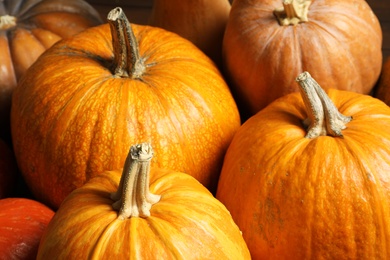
[27,29]
[119,215]
[382,90]
[203,22]
[87,99]
[268,42]
[8,171]
[22,222]
[308,177]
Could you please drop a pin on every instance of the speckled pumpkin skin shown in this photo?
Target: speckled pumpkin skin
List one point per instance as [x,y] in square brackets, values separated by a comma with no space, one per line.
[72,118]
[322,198]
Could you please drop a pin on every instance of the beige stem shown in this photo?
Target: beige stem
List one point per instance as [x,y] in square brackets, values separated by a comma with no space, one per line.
[323,116]
[126,52]
[293,12]
[133,198]
[7,22]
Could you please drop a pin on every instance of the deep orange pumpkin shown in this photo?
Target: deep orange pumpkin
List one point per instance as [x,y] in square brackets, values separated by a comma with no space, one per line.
[203,22]
[338,40]
[305,194]
[27,29]
[118,215]
[80,106]
[22,222]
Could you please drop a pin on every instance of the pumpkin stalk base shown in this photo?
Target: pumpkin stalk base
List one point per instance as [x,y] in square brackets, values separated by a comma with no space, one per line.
[323,116]
[126,52]
[133,198]
[292,12]
[7,22]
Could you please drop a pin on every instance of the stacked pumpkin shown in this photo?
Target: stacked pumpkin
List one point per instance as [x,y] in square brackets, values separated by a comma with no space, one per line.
[304,176]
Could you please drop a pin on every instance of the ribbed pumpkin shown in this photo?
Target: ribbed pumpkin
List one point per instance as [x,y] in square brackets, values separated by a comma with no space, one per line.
[87,99]
[118,215]
[203,22]
[27,29]
[268,42]
[312,189]
[22,223]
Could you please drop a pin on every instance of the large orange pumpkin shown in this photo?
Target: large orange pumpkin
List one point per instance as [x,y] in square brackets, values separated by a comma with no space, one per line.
[120,216]
[27,29]
[203,22]
[320,192]
[88,98]
[338,40]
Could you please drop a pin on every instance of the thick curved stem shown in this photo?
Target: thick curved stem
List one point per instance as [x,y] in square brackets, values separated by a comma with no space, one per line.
[292,12]
[323,116]
[133,198]
[126,53]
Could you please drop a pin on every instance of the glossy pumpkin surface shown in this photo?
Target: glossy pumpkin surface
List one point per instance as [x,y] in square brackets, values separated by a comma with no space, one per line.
[27,29]
[339,43]
[74,117]
[22,222]
[185,222]
[311,198]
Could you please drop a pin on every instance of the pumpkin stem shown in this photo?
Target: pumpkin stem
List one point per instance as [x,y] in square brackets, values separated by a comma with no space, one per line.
[292,12]
[133,198]
[7,22]
[323,116]
[126,52]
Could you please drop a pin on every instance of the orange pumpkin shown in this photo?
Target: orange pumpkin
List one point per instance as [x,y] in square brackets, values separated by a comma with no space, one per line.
[382,90]
[27,29]
[338,40]
[89,97]
[202,22]
[22,223]
[315,188]
[120,216]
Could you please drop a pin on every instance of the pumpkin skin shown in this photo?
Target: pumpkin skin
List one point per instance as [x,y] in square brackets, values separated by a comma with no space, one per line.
[202,22]
[340,40]
[38,25]
[73,118]
[8,171]
[22,222]
[321,198]
[382,89]
[188,222]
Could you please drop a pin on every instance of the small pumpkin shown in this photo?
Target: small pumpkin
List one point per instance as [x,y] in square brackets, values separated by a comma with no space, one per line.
[22,222]
[27,29]
[267,43]
[308,176]
[142,212]
[382,90]
[89,97]
[202,22]
[8,171]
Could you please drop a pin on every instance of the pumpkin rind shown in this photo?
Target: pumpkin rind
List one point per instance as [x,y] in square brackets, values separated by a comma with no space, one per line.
[338,43]
[32,27]
[186,223]
[73,118]
[322,198]
[22,223]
